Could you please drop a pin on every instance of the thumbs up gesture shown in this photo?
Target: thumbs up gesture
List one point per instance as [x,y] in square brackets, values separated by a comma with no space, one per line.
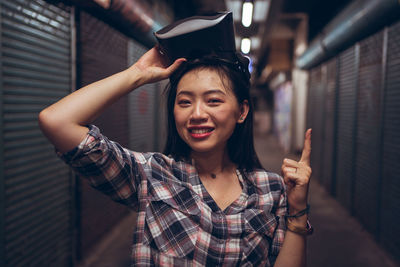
[296,175]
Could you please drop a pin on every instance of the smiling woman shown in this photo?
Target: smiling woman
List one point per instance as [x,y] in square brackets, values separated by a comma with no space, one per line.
[224,87]
[205,201]
[206,110]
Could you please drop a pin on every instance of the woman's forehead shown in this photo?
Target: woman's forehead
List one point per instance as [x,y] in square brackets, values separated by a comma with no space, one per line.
[204,77]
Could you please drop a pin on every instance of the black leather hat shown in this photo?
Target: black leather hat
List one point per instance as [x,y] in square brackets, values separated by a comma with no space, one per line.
[200,36]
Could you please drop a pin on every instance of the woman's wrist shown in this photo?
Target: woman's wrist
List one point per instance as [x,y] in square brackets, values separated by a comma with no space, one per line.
[299,222]
[135,78]
[298,217]
[299,226]
[296,211]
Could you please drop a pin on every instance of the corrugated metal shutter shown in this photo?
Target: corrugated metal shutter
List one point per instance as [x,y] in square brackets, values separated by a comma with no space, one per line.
[316,114]
[329,123]
[390,204]
[142,109]
[345,126]
[35,46]
[102,52]
[368,129]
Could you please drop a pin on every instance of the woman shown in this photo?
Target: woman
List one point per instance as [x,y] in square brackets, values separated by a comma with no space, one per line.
[207,202]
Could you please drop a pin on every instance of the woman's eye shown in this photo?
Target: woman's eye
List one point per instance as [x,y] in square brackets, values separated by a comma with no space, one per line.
[183,102]
[214,101]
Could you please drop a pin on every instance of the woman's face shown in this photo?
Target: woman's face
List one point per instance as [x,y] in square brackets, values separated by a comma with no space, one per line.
[206,112]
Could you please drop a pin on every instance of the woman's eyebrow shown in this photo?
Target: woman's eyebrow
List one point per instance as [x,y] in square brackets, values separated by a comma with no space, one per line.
[185,93]
[214,91]
[208,92]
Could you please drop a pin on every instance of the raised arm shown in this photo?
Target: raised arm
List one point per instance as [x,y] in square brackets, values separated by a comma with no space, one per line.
[64,122]
[297,177]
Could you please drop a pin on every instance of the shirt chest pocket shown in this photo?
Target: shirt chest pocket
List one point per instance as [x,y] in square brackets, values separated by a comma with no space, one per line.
[171,223]
[260,229]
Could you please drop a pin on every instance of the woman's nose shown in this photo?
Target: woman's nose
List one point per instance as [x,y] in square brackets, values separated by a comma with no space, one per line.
[199,113]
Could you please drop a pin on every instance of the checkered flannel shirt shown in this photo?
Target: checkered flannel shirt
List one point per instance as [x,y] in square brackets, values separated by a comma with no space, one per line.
[178,223]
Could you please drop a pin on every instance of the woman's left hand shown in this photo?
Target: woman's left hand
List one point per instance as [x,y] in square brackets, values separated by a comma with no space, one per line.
[297,177]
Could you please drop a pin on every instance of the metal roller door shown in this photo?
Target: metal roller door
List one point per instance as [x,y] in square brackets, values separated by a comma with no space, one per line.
[368,130]
[142,109]
[316,119]
[102,52]
[390,203]
[348,73]
[329,123]
[36,209]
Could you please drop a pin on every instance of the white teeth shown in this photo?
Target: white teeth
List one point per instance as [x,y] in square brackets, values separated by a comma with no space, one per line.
[200,131]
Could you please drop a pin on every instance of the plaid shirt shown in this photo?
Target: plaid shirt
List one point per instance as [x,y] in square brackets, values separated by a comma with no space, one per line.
[179,224]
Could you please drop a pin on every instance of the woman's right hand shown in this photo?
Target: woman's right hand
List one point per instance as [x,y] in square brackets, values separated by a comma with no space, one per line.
[64,122]
[152,66]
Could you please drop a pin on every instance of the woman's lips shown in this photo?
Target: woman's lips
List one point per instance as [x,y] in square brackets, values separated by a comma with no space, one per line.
[200,133]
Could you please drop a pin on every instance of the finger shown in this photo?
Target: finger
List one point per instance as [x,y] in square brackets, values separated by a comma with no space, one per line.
[305,155]
[289,170]
[290,163]
[174,66]
[297,179]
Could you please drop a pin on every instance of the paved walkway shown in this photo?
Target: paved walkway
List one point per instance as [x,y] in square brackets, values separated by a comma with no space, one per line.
[338,241]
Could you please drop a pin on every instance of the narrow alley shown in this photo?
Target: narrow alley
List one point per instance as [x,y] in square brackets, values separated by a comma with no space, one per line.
[333,66]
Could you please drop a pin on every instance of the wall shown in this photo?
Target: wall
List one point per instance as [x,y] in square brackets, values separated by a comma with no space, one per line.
[355,113]
[36,188]
[102,51]
[49,217]
[282,114]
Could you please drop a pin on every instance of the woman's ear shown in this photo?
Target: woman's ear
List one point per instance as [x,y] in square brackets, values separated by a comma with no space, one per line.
[244,110]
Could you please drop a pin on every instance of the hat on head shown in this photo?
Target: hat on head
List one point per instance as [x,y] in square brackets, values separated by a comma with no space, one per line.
[200,36]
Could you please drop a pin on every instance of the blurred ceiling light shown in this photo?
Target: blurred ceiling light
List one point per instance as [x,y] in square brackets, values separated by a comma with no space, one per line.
[247,13]
[246,44]
[260,10]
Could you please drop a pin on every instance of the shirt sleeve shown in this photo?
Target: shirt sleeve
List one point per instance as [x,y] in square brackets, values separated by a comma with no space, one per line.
[280,212]
[110,168]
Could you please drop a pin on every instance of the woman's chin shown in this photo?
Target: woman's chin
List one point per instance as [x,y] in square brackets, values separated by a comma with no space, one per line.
[205,148]
[202,150]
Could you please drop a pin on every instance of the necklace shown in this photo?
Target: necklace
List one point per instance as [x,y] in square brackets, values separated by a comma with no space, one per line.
[212,174]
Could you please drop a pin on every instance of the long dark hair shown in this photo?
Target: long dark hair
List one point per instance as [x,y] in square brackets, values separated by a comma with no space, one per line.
[241,144]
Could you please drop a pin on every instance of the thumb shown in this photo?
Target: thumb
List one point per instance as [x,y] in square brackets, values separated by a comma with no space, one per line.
[305,156]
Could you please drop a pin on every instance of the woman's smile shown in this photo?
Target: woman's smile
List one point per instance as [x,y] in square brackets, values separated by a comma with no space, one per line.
[199,132]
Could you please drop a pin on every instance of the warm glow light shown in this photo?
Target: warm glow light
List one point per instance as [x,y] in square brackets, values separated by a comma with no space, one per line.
[300,49]
[246,44]
[247,13]
[104,3]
